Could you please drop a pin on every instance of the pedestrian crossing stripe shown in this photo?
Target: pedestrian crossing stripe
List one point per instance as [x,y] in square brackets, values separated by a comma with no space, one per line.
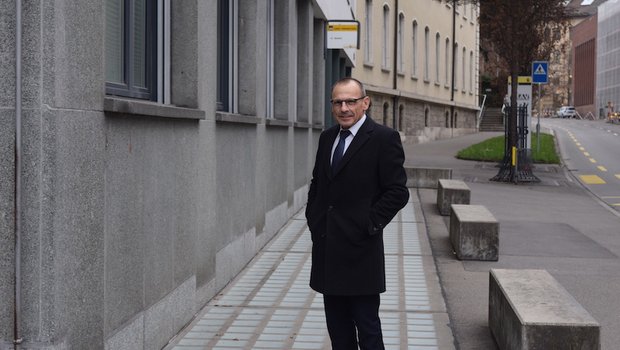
[592,160]
[540,70]
[592,180]
[586,154]
[601,168]
[618,176]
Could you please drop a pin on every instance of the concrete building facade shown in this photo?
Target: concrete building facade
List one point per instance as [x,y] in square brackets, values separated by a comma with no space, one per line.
[608,57]
[407,54]
[158,146]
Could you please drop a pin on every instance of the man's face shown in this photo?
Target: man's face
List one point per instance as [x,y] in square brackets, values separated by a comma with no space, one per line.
[352,104]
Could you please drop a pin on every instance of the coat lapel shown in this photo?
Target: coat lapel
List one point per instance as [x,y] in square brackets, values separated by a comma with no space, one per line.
[331,138]
[363,134]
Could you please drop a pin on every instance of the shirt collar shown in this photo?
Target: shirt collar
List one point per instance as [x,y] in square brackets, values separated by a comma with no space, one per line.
[355,128]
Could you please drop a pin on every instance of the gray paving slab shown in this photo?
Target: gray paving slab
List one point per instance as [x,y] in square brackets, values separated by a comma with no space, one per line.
[271,306]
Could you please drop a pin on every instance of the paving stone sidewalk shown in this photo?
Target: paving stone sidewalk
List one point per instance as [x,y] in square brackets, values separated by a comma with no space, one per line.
[269,305]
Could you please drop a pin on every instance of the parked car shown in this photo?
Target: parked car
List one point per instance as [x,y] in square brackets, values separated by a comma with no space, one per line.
[566,112]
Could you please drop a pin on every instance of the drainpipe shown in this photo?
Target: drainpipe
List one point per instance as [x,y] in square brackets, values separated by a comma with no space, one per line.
[18,181]
[453,67]
[395,72]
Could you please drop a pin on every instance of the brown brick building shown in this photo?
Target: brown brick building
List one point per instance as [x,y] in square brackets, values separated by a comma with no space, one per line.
[583,59]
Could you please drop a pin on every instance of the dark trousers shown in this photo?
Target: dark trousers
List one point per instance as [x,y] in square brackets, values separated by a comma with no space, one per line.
[350,318]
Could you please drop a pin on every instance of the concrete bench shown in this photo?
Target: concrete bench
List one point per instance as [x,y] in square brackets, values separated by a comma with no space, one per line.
[474,232]
[529,309]
[426,177]
[451,192]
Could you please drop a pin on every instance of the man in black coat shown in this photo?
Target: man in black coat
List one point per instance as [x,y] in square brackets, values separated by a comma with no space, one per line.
[358,186]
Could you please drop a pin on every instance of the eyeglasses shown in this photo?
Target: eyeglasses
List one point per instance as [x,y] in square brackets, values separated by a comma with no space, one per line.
[350,102]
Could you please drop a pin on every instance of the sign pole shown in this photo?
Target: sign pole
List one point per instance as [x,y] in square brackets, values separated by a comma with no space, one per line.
[538,125]
[540,75]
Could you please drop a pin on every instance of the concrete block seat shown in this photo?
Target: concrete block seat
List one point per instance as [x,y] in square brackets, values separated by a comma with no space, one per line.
[474,232]
[426,177]
[451,192]
[529,309]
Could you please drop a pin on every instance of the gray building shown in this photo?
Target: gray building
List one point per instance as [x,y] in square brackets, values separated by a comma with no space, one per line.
[608,57]
[148,150]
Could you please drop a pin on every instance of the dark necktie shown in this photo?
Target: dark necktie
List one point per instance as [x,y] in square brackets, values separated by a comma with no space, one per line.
[339,151]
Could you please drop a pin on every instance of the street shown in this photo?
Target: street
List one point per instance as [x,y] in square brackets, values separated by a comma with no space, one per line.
[589,150]
[556,225]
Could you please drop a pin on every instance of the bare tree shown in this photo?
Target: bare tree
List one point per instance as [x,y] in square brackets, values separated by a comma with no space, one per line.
[520,32]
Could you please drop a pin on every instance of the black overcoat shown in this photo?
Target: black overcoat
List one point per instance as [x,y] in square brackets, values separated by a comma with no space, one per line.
[347,210]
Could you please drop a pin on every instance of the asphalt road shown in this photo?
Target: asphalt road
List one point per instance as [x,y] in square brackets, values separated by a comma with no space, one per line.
[557,225]
[591,151]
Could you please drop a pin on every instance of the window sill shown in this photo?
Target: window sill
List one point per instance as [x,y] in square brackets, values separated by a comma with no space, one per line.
[117,105]
[278,122]
[223,117]
[369,64]
[385,70]
[414,77]
[437,83]
[401,73]
[426,81]
[302,125]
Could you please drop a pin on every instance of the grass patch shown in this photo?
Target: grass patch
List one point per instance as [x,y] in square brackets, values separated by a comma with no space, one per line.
[492,150]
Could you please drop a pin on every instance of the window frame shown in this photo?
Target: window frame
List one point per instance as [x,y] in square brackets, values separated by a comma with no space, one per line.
[385,61]
[414,40]
[427,33]
[127,87]
[368,33]
[401,43]
[437,56]
[227,63]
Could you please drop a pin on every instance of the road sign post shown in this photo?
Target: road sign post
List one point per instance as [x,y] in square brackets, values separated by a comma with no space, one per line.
[540,75]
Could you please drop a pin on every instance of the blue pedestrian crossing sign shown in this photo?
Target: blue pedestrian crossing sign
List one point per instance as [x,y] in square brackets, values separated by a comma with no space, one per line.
[540,72]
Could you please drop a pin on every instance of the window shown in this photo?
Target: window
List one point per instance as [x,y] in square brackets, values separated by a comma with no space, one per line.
[270,81]
[131,48]
[401,42]
[455,60]
[437,48]
[464,69]
[426,53]
[386,113]
[471,72]
[414,41]
[227,56]
[447,63]
[368,33]
[426,119]
[385,41]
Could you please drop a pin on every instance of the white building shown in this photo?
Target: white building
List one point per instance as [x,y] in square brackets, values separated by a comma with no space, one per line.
[419,61]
